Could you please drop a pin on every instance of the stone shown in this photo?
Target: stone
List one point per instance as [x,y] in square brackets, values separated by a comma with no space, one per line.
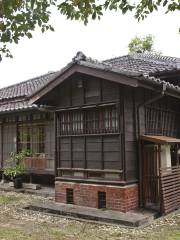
[31,186]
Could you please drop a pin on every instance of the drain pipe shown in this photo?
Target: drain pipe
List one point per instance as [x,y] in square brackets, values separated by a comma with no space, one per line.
[138,134]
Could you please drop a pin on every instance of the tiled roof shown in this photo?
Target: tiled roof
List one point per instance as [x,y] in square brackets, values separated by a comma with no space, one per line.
[16,106]
[26,88]
[145,63]
[142,66]
[14,97]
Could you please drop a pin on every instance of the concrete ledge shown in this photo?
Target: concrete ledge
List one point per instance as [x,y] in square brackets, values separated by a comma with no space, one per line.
[132,218]
[31,186]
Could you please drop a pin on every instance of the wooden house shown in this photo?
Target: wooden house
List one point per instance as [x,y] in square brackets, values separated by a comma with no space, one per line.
[110,130]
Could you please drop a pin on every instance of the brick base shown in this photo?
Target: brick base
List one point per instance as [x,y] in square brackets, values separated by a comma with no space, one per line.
[117,198]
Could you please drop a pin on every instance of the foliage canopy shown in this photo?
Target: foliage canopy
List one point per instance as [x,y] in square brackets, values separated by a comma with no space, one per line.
[141,44]
[19,18]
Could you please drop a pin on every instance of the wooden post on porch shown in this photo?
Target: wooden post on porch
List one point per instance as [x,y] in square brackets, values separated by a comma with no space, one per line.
[141,190]
[160,185]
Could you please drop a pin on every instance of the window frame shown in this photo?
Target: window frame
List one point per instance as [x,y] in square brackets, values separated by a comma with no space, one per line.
[97,120]
[36,148]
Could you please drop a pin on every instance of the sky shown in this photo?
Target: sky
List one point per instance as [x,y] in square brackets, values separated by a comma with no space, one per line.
[99,40]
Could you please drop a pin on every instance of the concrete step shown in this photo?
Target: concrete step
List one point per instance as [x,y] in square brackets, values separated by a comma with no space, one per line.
[132,218]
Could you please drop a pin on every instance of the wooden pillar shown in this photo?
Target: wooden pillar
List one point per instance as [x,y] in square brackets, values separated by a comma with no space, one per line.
[2,160]
[55,150]
[102,152]
[141,180]
[160,185]
[17,140]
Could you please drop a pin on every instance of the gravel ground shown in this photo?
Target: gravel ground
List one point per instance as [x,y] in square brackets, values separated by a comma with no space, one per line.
[18,223]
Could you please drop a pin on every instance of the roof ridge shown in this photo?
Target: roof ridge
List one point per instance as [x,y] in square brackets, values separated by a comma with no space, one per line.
[114,58]
[157,57]
[148,57]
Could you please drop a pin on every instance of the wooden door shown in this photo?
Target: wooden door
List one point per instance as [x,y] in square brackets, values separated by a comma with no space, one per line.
[150,176]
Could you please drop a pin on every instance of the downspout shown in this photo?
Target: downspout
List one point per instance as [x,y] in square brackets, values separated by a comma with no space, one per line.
[149,101]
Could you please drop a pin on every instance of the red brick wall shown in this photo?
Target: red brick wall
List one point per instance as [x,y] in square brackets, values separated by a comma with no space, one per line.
[117,198]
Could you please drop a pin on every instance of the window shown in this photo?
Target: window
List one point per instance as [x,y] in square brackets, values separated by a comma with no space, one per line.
[71,122]
[69,196]
[101,200]
[89,121]
[159,121]
[32,138]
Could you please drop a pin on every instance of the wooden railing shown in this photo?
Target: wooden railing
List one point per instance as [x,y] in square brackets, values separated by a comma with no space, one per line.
[170,189]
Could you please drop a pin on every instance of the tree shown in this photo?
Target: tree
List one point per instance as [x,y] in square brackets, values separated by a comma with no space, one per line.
[142,44]
[19,18]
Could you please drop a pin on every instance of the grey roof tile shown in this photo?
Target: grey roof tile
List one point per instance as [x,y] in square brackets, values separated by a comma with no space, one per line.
[15,106]
[145,63]
[13,98]
[142,66]
[26,88]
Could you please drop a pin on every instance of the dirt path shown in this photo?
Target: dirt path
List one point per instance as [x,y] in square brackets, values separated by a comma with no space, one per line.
[19,224]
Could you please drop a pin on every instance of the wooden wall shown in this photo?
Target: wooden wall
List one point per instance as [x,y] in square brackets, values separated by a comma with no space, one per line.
[82,90]
[88,151]
[9,140]
[1,152]
[50,144]
[9,136]
[91,152]
[132,99]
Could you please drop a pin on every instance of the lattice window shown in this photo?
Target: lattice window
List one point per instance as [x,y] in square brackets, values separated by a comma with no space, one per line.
[89,121]
[161,122]
[32,138]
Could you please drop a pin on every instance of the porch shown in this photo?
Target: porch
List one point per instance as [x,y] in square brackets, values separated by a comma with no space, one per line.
[160,173]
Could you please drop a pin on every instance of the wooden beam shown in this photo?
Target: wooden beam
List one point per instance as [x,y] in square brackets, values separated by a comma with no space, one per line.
[55,150]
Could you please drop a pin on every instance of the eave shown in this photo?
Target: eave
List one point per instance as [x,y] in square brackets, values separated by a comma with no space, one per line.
[113,75]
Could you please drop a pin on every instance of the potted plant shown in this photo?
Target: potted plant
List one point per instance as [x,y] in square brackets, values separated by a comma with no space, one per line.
[15,168]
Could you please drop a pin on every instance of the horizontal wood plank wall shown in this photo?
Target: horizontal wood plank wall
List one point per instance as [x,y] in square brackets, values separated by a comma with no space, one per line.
[170,189]
[86,147]
[73,152]
[82,90]
[130,132]
[1,146]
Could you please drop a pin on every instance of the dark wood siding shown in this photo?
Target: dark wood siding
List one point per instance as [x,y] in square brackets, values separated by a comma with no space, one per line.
[1,147]
[49,144]
[130,134]
[80,90]
[89,137]
[15,126]
[9,140]
[102,152]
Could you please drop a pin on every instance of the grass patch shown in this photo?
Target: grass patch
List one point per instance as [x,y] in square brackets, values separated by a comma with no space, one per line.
[56,234]
[175,236]
[11,234]
[4,200]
